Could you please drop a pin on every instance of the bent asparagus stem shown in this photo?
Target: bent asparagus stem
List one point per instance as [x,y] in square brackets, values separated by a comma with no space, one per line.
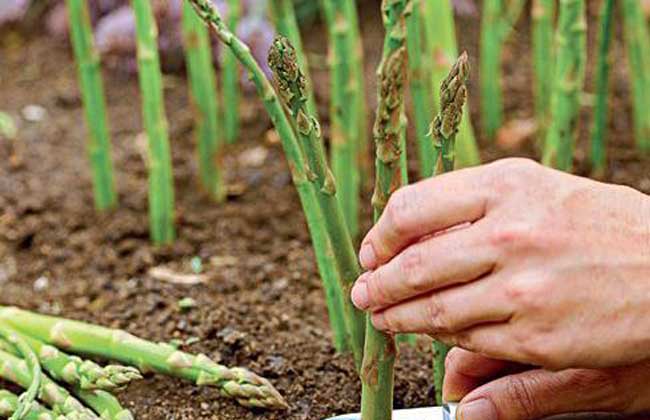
[569,81]
[161,185]
[104,404]
[202,80]
[601,113]
[33,365]
[543,22]
[9,405]
[230,79]
[92,90]
[347,262]
[240,384]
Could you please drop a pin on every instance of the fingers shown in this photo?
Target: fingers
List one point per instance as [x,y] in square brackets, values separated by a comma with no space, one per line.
[537,394]
[421,209]
[458,256]
[466,371]
[447,311]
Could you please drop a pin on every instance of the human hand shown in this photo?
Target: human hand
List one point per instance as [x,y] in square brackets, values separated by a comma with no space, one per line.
[548,269]
[486,392]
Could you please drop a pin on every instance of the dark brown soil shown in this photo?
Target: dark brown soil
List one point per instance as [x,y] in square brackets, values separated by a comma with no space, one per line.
[262,306]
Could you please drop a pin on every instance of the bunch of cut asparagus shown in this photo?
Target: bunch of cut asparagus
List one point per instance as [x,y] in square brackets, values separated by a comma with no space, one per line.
[36,354]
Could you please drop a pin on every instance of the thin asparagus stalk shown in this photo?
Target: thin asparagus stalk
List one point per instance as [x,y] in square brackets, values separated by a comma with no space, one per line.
[286,23]
[201,75]
[601,114]
[377,373]
[345,256]
[543,22]
[161,184]
[14,369]
[240,384]
[92,90]
[9,405]
[105,404]
[569,81]
[442,50]
[33,366]
[345,113]
[230,79]
[453,95]
[499,16]
[637,41]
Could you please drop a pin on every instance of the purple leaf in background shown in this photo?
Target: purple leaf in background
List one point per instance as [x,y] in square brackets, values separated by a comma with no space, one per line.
[115,32]
[12,10]
[465,7]
[258,33]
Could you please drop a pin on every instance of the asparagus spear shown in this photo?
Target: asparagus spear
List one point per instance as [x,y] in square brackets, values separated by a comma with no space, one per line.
[346,259]
[161,185]
[569,80]
[9,405]
[453,95]
[31,364]
[599,128]
[441,51]
[105,404]
[92,90]
[240,384]
[543,22]
[637,41]
[230,79]
[198,55]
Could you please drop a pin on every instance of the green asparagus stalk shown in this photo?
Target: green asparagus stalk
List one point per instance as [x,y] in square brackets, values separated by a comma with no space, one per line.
[105,404]
[8,127]
[9,405]
[92,90]
[286,23]
[230,80]
[543,22]
[161,183]
[201,75]
[345,111]
[32,365]
[499,16]
[441,51]
[569,80]
[377,373]
[637,41]
[240,384]
[14,369]
[346,259]
[601,112]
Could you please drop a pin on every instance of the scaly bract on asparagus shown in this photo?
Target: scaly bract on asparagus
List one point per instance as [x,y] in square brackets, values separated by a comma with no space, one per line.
[9,405]
[230,79]
[543,24]
[568,84]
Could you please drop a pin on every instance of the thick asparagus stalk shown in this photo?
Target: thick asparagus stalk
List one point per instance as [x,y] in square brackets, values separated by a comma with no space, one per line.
[637,41]
[345,111]
[543,22]
[377,373]
[105,404]
[441,51]
[9,405]
[32,365]
[247,388]
[230,79]
[92,90]
[161,184]
[601,112]
[499,16]
[569,81]
[286,23]
[201,75]
[346,260]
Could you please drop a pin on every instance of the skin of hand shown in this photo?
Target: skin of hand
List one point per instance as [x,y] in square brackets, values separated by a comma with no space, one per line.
[517,262]
[486,393]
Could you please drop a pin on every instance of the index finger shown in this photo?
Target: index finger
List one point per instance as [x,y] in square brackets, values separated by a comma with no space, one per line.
[422,209]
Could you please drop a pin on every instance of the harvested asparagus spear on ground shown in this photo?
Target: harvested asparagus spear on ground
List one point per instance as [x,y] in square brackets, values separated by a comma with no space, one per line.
[9,405]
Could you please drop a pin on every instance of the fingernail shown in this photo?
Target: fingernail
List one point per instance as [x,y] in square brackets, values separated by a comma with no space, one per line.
[360,296]
[367,256]
[481,409]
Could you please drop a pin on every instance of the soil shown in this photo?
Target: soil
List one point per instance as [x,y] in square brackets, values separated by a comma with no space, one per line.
[262,305]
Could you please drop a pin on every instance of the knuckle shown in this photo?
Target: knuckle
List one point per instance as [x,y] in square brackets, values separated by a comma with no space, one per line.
[437,315]
[453,362]
[525,295]
[512,172]
[411,265]
[377,289]
[398,210]
[519,392]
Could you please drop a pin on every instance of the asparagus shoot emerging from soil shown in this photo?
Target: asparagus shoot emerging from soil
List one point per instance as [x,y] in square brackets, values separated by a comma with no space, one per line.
[377,373]
[568,83]
[440,53]
[92,90]
[499,17]
[346,260]
[543,22]
[161,184]
[201,75]
[32,365]
[637,41]
[601,112]
[9,405]
[230,79]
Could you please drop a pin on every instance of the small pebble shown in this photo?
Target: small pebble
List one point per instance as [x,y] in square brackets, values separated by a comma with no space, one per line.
[34,113]
[41,284]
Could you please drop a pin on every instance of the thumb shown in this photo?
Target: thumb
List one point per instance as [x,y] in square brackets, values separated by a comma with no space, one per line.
[538,393]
